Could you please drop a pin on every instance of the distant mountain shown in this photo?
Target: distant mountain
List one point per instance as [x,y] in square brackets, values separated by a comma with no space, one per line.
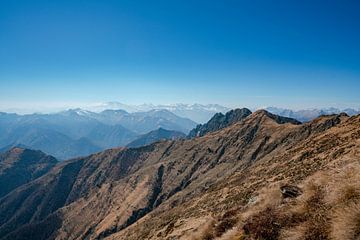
[154,136]
[107,136]
[114,106]
[19,166]
[310,114]
[143,122]
[49,141]
[10,146]
[219,121]
[78,132]
[197,112]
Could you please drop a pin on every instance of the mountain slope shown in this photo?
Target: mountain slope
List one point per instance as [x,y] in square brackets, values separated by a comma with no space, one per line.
[19,166]
[288,154]
[173,189]
[108,136]
[154,136]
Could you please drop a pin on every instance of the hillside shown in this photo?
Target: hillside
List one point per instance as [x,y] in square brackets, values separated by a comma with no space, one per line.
[224,184]
[19,166]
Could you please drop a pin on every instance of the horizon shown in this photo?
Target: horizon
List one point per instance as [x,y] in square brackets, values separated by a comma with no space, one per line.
[64,54]
[145,107]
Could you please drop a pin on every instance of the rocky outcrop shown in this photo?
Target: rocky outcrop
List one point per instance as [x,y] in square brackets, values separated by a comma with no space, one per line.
[219,121]
[290,191]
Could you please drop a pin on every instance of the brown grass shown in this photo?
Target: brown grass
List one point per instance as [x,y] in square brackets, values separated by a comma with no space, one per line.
[264,225]
[329,208]
[346,222]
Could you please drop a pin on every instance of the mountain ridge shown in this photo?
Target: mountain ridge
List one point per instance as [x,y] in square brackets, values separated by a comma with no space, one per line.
[219,121]
[133,193]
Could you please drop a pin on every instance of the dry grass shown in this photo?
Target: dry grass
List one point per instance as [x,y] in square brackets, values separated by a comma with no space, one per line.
[264,225]
[346,201]
[346,222]
[205,232]
[219,226]
[329,208]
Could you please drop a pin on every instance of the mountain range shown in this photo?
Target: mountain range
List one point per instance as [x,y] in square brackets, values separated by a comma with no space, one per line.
[77,132]
[262,176]
[199,113]
[306,115]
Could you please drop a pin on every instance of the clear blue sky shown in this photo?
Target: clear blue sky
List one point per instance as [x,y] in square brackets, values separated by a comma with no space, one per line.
[237,53]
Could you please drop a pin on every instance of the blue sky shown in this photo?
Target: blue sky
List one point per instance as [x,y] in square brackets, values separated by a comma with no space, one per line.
[297,54]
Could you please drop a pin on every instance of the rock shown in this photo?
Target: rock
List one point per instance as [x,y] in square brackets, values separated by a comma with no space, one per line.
[290,191]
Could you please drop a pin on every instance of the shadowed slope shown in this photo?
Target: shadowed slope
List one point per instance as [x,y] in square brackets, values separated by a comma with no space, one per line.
[19,166]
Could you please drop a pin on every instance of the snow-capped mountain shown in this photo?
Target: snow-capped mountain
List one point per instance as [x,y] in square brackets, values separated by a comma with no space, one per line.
[199,113]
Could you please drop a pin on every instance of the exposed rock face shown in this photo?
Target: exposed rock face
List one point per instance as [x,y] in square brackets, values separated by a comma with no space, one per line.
[19,166]
[171,189]
[156,135]
[219,121]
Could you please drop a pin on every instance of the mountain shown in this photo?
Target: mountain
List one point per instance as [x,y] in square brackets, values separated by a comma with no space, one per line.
[48,140]
[154,136]
[263,177]
[19,166]
[143,122]
[219,121]
[108,136]
[9,147]
[78,132]
[310,114]
[99,107]
[62,135]
[196,112]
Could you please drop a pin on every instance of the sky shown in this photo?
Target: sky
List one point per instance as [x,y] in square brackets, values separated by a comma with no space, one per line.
[294,54]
